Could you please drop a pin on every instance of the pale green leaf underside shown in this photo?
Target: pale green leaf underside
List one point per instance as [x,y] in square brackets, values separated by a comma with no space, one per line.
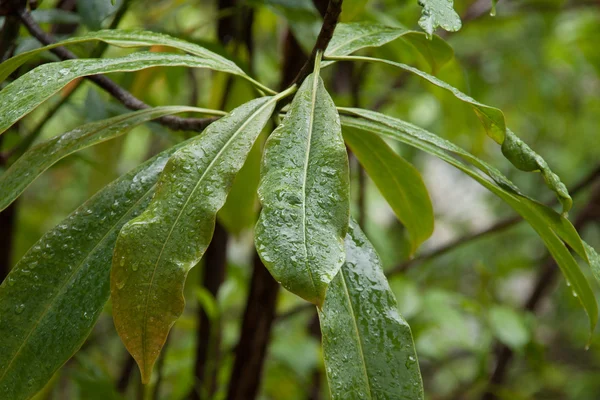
[513,148]
[123,38]
[31,89]
[42,156]
[367,346]
[551,227]
[398,181]
[352,37]
[155,251]
[52,298]
[304,192]
[439,13]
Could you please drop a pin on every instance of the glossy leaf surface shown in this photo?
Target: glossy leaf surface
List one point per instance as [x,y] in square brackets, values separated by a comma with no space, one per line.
[304,192]
[39,158]
[513,148]
[439,13]
[550,226]
[52,298]
[155,251]
[398,181]
[31,89]
[352,37]
[367,346]
[123,38]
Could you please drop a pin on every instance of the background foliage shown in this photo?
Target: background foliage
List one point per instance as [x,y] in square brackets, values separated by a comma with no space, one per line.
[469,307]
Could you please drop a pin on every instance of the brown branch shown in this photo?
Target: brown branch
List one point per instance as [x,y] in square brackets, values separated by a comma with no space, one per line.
[255,333]
[544,281]
[122,95]
[330,20]
[495,228]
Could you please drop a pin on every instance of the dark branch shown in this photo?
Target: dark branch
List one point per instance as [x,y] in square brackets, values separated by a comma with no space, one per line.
[126,98]
[330,20]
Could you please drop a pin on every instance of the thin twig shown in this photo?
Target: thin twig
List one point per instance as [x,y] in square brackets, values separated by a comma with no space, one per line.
[126,98]
[544,281]
[495,228]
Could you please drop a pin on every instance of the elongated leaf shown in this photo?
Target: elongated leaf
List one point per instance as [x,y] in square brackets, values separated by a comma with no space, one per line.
[304,192]
[351,37]
[30,90]
[368,347]
[41,157]
[156,250]
[549,225]
[439,13]
[123,38]
[513,148]
[52,298]
[399,182]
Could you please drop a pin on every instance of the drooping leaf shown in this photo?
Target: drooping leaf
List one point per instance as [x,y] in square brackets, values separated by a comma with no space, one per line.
[305,195]
[41,157]
[367,346]
[550,226]
[513,148]
[30,90]
[56,292]
[439,13]
[351,37]
[398,181]
[155,251]
[124,38]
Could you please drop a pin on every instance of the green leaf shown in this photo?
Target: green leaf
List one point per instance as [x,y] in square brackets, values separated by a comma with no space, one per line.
[399,182]
[439,13]
[304,192]
[240,209]
[26,93]
[58,289]
[351,37]
[513,148]
[368,347]
[550,226]
[155,251]
[123,38]
[41,157]
[509,326]
[94,12]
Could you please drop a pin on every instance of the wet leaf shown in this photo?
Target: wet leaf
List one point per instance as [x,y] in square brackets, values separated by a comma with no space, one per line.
[552,228]
[305,195]
[58,289]
[30,90]
[352,37]
[368,347]
[124,38]
[513,148]
[398,181]
[42,156]
[439,13]
[155,251]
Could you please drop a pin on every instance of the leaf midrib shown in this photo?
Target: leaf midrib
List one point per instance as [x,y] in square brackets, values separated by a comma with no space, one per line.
[69,279]
[240,129]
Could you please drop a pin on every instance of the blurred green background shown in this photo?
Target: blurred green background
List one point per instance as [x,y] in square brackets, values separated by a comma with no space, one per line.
[537,60]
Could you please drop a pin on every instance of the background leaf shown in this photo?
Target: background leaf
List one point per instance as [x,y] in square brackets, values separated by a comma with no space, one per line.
[367,346]
[399,182]
[304,191]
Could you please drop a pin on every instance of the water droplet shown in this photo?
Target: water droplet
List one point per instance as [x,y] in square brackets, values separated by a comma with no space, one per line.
[19,308]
